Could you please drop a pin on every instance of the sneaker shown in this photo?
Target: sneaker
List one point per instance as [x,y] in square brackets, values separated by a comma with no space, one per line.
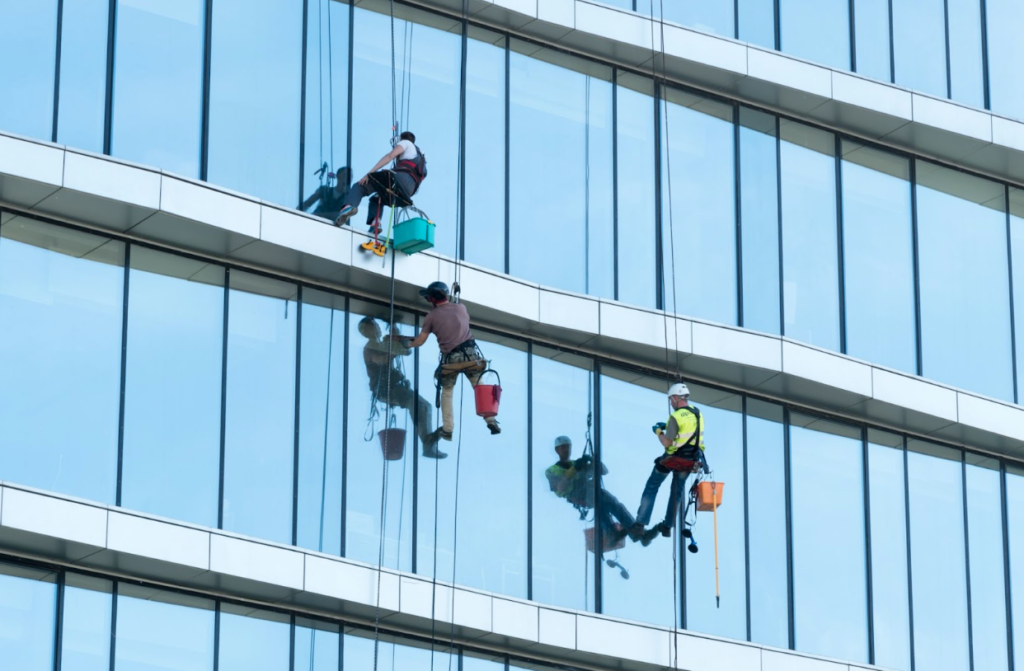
[346,213]
[494,428]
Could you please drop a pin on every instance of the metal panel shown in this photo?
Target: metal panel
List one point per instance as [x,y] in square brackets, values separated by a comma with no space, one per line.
[698,653]
[515,619]
[55,527]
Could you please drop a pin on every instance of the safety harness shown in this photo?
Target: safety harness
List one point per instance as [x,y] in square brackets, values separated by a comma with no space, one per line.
[415,168]
[675,462]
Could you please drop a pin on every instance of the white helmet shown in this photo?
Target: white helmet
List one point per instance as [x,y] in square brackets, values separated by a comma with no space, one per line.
[679,389]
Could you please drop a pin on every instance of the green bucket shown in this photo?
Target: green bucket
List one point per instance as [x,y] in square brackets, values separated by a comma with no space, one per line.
[413,235]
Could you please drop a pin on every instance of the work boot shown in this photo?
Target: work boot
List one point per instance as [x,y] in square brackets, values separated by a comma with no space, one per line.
[616,534]
[444,434]
[375,227]
[347,213]
[650,535]
[664,529]
[430,450]
[494,428]
[636,532]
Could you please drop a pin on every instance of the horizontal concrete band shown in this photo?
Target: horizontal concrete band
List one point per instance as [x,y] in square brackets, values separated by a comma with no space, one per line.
[875,110]
[144,203]
[95,537]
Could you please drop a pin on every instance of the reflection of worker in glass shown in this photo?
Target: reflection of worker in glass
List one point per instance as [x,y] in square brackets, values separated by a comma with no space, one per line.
[330,195]
[381,368]
[574,482]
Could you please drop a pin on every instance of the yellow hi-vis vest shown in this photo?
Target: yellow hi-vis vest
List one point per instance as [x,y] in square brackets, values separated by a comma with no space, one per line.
[690,426]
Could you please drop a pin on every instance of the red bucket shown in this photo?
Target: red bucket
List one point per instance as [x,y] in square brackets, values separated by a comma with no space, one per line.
[488,396]
[392,443]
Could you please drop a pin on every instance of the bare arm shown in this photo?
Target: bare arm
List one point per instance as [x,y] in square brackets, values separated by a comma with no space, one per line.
[418,340]
[387,158]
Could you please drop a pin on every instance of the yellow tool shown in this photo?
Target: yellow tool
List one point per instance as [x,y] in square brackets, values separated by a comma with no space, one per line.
[378,248]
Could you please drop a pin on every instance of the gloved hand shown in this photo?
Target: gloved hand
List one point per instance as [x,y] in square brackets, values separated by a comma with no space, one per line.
[582,462]
[659,428]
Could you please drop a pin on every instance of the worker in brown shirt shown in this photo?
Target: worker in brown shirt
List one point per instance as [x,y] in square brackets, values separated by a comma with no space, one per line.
[449,322]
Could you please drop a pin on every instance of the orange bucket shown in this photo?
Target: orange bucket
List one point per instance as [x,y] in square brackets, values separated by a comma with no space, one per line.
[392,443]
[709,495]
[487,396]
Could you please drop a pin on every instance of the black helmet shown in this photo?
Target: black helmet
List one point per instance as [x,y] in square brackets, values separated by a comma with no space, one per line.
[435,290]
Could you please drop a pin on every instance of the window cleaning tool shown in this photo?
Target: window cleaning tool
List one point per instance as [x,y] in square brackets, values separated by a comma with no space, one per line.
[709,497]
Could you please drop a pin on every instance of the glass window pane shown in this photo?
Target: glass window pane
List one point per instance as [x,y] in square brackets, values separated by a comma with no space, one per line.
[636,203]
[60,395]
[83,74]
[321,430]
[966,72]
[563,502]
[173,386]
[473,663]
[28,601]
[372,384]
[889,570]
[871,18]
[158,631]
[817,30]
[255,92]
[766,485]
[485,149]
[1017,265]
[429,70]
[757,22]
[988,584]
[919,45]
[159,41]
[759,210]
[253,640]
[317,646]
[627,449]
[699,207]
[1005,24]
[326,129]
[710,17]
[28,35]
[811,291]
[937,558]
[493,511]
[965,305]
[259,444]
[560,106]
[829,560]
[85,636]
[878,258]
[392,655]
[1015,525]
[724,423]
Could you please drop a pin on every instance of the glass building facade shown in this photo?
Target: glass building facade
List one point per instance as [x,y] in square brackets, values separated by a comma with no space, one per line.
[239,399]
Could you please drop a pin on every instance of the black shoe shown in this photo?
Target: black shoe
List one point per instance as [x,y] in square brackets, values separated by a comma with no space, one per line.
[430,450]
[636,532]
[444,435]
[649,536]
[665,530]
[494,428]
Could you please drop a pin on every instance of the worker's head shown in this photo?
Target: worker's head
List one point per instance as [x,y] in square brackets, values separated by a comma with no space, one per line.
[435,293]
[678,395]
[406,135]
[368,328]
[563,447]
[344,175]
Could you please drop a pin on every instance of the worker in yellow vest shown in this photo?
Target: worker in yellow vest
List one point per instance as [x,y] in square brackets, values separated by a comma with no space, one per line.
[683,437]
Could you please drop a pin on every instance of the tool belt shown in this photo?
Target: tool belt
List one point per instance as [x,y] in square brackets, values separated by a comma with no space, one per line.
[467,349]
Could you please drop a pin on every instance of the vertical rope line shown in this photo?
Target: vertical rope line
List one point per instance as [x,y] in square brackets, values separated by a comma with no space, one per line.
[330,83]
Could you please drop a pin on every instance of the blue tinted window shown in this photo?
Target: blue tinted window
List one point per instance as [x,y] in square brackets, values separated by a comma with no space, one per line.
[255,92]
[159,41]
[83,74]
[724,422]
[173,386]
[937,556]
[699,208]
[28,33]
[561,403]
[829,561]
[636,220]
[889,590]
[85,633]
[1015,525]
[326,139]
[321,430]
[810,283]
[59,395]
[878,258]
[766,488]
[965,305]
[872,30]
[255,641]
[27,617]
[919,45]
[260,439]
[390,656]
[371,387]
[164,631]
[817,30]
[560,107]
[966,73]
[759,211]
[988,584]
[485,150]
[429,108]
[757,22]
[317,647]
[1017,251]
[627,448]
[1005,23]
[710,17]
